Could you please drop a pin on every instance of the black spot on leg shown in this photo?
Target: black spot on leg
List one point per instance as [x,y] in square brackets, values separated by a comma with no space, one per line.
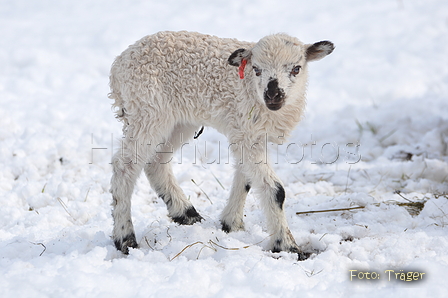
[180,219]
[302,256]
[189,217]
[280,195]
[117,244]
[124,244]
[191,212]
[168,203]
[277,246]
[247,187]
[225,227]
[166,199]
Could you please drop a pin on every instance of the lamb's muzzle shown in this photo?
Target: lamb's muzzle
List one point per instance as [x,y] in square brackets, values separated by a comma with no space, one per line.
[274,96]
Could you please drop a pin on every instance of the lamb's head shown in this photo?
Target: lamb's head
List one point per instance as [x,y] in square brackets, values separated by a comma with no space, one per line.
[279,64]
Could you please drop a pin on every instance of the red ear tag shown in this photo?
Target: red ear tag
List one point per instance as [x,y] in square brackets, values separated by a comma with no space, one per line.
[241,68]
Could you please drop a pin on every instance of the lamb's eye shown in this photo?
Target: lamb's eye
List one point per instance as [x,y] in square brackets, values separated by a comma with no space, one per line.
[295,70]
[257,71]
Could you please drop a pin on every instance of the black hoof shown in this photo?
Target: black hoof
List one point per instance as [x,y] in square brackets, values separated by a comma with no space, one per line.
[277,246]
[301,256]
[239,226]
[124,244]
[225,227]
[190,217]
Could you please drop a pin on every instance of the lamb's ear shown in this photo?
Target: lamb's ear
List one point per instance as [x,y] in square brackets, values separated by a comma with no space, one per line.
[237,57]
[318,50]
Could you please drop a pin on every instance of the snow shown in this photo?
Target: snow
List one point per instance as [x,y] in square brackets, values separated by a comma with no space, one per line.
[375,135]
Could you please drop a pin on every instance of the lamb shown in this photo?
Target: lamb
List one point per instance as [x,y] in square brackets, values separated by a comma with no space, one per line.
[167,85]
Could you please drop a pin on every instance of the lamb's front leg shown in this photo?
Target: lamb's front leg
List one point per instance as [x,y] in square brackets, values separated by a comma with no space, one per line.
[272,195]
[270,190]
[232,215]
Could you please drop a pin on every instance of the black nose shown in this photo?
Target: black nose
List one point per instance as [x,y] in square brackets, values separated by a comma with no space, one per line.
[273,94]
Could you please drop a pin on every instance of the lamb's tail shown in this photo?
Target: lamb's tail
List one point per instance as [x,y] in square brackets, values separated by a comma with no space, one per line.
[115,94]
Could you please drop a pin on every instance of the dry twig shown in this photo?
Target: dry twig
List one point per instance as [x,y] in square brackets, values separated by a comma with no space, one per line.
[202,191]
[212,245]
[331,210]
[45,248]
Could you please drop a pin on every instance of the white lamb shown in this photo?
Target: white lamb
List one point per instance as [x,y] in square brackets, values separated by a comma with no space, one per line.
[169,84]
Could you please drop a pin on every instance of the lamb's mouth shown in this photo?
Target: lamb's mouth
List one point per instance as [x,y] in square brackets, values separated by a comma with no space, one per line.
[274,106]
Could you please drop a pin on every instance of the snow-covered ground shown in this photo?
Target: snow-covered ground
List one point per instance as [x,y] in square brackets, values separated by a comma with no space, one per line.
[375,136]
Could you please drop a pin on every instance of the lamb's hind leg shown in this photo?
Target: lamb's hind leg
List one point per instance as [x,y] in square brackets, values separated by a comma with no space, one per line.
[163,181]
[232,215]
[125,174]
